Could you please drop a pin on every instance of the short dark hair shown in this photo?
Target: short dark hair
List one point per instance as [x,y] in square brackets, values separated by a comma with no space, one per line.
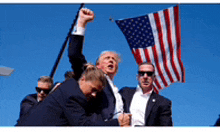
[146,63]
[46,79]
[69,74]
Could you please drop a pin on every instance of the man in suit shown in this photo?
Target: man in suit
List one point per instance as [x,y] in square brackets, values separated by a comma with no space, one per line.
[68,105]
[147,107]
[110,103]
[44,86]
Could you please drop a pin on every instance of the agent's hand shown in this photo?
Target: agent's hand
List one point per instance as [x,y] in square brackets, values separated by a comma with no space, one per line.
[85,16]
[124,119]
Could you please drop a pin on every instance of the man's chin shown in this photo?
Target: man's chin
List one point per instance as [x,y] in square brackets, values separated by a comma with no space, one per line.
[111,71]
[145,85]
[40,99]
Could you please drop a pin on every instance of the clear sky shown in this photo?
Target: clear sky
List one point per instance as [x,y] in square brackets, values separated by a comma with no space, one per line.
[32,35]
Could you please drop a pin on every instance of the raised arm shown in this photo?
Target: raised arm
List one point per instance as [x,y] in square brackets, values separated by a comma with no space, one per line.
[76,58]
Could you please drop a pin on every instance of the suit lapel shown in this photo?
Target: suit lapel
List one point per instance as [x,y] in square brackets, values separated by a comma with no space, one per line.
[108,107]
[151,102]
[108,89]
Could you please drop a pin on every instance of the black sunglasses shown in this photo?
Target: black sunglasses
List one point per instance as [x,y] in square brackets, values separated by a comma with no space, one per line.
[46,91]
[142,73]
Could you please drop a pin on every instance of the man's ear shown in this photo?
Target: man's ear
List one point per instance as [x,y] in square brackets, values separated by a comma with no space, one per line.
[82,78]
[98,66]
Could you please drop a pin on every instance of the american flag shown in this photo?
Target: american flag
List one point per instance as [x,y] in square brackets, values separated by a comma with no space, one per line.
[155,38]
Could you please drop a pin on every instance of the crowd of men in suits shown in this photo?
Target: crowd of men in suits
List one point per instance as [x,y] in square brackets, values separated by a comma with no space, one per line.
[90,98]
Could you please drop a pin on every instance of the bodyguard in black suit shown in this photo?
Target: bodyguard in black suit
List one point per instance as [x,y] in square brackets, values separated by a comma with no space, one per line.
[147,107]
[27,103]
[68,105]
[109,102]
[43,88]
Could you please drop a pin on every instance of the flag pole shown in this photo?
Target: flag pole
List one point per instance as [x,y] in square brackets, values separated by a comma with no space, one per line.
[64,45]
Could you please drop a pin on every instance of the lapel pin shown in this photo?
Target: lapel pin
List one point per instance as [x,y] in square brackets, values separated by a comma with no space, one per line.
[153,100]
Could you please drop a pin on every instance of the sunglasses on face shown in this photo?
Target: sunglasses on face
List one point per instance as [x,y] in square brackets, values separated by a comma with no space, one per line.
[142,73]
[46,91]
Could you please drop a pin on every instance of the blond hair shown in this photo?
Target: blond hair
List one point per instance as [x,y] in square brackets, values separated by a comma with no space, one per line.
[92,73]
[118,59]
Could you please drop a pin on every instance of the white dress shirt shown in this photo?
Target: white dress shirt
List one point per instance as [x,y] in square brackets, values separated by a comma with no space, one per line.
[78,31]
[138,106]
[119,103]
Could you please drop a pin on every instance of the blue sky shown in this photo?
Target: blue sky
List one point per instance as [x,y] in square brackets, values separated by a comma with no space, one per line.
[32,35]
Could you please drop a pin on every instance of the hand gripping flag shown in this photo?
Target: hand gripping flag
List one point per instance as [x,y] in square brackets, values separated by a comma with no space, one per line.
[155,38]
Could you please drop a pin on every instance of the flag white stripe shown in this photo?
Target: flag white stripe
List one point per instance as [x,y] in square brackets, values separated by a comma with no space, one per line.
[167,49]
[157,45]
[176,62]
[142,54]
[149,50]
[154,29]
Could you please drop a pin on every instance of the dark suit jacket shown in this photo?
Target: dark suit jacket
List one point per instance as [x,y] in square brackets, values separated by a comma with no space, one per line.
[66,106]
[158,110]
[217,123]
[106,101]
[27,103]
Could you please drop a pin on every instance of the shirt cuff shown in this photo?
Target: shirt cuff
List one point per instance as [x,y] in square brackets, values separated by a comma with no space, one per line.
[79,31]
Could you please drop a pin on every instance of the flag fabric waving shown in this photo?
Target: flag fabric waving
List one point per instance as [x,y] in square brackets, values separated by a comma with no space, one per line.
[155,38]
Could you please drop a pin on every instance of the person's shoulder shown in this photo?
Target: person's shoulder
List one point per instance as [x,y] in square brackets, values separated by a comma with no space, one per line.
[32,95]
[68,87]
[127,89]
[30,98]
[69,82]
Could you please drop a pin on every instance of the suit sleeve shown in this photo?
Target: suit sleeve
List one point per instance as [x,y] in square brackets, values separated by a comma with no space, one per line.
[76,58]
[76,116]
[75,106]
[26,104]
[165,117]
[127,94]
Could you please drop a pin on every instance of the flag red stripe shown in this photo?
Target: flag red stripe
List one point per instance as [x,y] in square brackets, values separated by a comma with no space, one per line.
[157,84]
[160,35]
[147,56]
[169,39]
[158,66]
[137,56]
[164,53]
[156,90]
[177,24]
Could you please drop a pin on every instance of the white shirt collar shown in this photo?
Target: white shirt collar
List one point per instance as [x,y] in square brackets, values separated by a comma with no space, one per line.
[139,90]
